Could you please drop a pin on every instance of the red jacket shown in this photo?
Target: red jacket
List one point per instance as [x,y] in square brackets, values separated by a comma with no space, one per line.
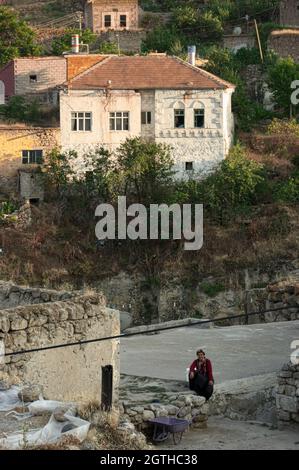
[203,369]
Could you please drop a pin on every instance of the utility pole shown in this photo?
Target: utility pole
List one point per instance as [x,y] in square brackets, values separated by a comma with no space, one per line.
[259,41]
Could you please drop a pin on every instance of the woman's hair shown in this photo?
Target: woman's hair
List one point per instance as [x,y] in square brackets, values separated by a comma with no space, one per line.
[200,351]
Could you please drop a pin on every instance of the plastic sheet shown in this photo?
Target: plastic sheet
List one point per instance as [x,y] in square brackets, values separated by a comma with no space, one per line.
[49,434]
[40,407]
[9,399]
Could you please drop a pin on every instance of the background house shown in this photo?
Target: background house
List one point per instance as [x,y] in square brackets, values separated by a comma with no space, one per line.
[289,13]
[157,97]
[102,15]
[39,77]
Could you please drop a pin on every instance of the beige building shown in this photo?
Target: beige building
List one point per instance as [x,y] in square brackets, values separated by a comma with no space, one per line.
[157,97]
[22,149]
[102,15]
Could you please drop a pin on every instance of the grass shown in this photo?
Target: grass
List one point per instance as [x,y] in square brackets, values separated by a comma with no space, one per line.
[211,289]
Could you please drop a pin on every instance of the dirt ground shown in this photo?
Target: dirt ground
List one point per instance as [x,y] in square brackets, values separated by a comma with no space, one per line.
[225,434]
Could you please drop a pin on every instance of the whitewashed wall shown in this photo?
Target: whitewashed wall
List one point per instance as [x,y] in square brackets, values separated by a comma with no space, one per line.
[204,147]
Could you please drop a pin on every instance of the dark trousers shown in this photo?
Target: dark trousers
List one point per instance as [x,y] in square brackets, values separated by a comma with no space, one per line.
[206,391]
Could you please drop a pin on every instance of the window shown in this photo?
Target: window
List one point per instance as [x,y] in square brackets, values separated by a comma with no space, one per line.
[179,118]
[146,117]
[81,121]
[189,166]
[123,21]
[199,117]
[119,121]
[32,157]
[33,78]
[107,21]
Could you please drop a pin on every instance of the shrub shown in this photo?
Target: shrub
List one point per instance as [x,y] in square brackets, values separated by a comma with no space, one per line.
[21,110]
[211,289]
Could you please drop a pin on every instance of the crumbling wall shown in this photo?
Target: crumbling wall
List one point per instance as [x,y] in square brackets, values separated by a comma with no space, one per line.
[287,397]
[281,300]
[72,373]
[12,295]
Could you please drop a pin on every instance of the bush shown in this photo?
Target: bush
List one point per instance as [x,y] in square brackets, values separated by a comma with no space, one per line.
[210,289]
[281,74]
[21,110]
[231,189]
[64,42]
[162,39]
[288,191]
[289,128]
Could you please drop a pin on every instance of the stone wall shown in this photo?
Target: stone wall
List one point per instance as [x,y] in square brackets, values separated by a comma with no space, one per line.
[174,297]
[282,298]
[143,398]
[129,41]
[72,373]
[234,42]
[285,43]
[12,295]
[287,397]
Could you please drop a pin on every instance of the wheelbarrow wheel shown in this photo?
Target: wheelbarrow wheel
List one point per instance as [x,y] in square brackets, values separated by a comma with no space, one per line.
[162,436]
[177,437]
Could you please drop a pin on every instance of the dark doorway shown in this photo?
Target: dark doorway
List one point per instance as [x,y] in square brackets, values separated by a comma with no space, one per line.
[107,388]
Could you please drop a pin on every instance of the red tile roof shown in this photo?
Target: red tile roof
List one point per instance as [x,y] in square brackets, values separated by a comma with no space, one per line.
[146,72]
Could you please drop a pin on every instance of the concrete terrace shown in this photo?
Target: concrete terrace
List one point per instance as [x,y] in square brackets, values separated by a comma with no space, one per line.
[236,352]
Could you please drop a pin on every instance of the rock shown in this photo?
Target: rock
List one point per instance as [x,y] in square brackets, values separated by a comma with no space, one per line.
[290,390]
[30,393]
[283,415]
[285,374]
[147,414]
[172,410]
[4,386]
[19,324]
[184,411]
[4,325]
[59,413]
[287,403]
[199,419]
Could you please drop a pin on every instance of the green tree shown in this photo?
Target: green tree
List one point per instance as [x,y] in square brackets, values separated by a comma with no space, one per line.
[20,109]
[63,43]
[231,189]
[162,39]
[280,76]
[185,16]
[146,169]
[17,39]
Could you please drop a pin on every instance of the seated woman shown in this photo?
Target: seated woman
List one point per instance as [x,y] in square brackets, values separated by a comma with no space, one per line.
[201,375]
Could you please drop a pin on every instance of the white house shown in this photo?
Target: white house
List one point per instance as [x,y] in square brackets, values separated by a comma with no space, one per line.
[157,97]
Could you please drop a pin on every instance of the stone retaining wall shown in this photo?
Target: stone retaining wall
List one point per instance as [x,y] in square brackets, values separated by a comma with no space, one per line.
[287,397]
[186,406]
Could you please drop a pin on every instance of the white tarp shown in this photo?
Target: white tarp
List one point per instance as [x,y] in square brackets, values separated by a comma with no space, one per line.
[9,399]
[51,432]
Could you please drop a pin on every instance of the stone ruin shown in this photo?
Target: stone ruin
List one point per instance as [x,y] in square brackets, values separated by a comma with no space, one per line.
[81,373]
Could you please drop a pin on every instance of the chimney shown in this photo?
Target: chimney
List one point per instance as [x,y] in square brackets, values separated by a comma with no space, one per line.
[191,55]
[75,44]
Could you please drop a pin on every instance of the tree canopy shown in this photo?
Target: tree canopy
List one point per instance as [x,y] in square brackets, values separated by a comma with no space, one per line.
[17,39]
